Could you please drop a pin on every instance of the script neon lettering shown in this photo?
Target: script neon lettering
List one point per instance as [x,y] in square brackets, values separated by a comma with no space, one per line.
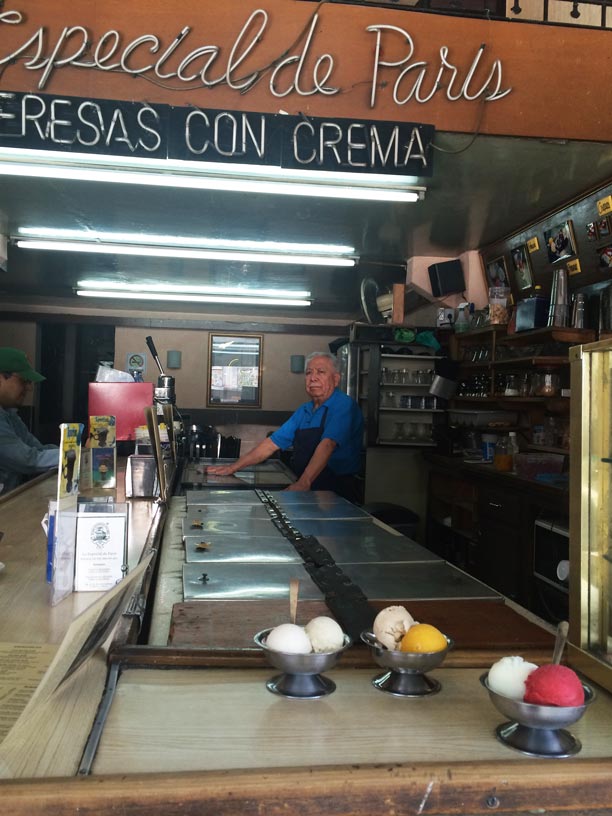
[409,81]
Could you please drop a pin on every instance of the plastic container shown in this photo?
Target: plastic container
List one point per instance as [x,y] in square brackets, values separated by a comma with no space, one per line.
[499,301]
[531,465]
[488,447]
[502,456]
[513,448]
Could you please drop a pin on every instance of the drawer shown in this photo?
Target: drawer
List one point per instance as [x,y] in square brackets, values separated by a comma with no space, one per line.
[499,505]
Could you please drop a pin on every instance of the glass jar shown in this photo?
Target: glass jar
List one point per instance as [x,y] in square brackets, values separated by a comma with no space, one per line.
[512,386]
[548,384]
[399,434]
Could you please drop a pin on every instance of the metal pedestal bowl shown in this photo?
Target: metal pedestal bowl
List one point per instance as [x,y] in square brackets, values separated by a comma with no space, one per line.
[405,675]
[301,677]
[538,730]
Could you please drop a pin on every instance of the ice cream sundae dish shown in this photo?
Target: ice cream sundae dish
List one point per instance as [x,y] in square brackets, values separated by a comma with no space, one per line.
[321,635]
[302,653]
[549,685]
[396,629]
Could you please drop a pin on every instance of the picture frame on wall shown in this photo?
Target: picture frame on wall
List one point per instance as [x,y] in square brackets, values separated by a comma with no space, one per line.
[591,230]
[496,272]
[522,268]
[235,370]
[603,227]
[560,241]
[605,258]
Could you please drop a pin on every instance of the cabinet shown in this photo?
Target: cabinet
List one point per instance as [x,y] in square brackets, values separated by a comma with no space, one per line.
[591,512]
[393,391]
[484,523]
[526,374]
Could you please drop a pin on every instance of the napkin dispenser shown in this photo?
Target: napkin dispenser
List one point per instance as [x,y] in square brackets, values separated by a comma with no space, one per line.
[141,477]
[532,313]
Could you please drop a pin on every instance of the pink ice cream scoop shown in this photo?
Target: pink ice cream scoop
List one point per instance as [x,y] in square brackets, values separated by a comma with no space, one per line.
[554,685]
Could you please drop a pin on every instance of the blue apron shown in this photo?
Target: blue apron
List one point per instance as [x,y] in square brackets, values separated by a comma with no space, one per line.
[305,443]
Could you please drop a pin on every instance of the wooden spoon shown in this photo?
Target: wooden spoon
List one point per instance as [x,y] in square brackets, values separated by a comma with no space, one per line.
[560,641]
[294,588]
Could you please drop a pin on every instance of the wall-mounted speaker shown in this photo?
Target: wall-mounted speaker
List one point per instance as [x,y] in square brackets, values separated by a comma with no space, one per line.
[446,278]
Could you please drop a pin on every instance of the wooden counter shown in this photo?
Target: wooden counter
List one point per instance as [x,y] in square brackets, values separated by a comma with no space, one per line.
[204,737]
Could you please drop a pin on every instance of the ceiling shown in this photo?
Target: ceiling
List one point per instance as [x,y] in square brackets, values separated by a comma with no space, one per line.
[481,190]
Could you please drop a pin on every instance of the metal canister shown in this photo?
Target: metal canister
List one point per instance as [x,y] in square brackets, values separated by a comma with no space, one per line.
[578,309]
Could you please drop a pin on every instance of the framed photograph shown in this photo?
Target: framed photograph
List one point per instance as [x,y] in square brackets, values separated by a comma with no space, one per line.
[560,241]
[605,258]
[533,244]
[496,272]
[234,370]
[592,232]
[603,227]
[522,268]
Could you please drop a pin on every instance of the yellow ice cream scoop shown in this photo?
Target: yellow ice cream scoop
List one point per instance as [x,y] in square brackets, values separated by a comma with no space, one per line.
[423,637]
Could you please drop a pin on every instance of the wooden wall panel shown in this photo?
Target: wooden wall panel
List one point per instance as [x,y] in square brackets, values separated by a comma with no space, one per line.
[542,64]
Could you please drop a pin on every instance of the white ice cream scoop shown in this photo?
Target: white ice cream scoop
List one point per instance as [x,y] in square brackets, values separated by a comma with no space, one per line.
[391,624]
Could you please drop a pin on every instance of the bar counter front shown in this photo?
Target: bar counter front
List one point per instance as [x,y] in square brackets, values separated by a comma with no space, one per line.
[174,710]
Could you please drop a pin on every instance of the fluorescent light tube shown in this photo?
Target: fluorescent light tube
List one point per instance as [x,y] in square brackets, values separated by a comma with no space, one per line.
[183,252]
[185,298]
[209,176]
[194,289]
[183,241]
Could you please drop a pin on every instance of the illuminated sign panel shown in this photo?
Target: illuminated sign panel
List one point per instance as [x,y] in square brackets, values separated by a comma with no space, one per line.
[142,130]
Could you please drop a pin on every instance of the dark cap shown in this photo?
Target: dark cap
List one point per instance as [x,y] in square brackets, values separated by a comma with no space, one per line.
[13,361]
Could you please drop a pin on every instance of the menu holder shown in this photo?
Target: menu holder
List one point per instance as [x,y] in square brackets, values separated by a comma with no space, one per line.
[101,547]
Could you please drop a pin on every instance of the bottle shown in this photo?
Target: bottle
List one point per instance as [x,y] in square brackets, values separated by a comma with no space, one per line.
[513,448]
[502,458]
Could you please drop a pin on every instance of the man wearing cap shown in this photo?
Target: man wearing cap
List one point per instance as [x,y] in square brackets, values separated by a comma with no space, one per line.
[21,454]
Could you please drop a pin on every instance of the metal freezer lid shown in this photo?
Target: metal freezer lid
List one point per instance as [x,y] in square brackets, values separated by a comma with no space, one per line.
[223,497]
[198,514]
[416,581]
[254,582]
[333,528]
[227,549]
[235,525]
[347,511]
[376,546]
[287,497]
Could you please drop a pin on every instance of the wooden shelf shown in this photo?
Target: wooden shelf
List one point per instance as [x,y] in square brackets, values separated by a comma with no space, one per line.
[548,449]
[557,334]
[413,410]
[406,443]
[543,360]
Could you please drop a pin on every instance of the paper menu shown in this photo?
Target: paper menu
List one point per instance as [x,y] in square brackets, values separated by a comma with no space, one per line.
[102,432]
[100,550]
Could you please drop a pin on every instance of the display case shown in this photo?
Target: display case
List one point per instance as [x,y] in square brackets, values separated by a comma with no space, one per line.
[394,385]
[591,511]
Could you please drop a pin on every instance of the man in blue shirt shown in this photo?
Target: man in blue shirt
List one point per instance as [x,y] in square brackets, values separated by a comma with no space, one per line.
[21,454]
[325,434]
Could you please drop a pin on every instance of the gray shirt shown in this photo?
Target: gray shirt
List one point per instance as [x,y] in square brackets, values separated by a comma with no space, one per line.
[21,454]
